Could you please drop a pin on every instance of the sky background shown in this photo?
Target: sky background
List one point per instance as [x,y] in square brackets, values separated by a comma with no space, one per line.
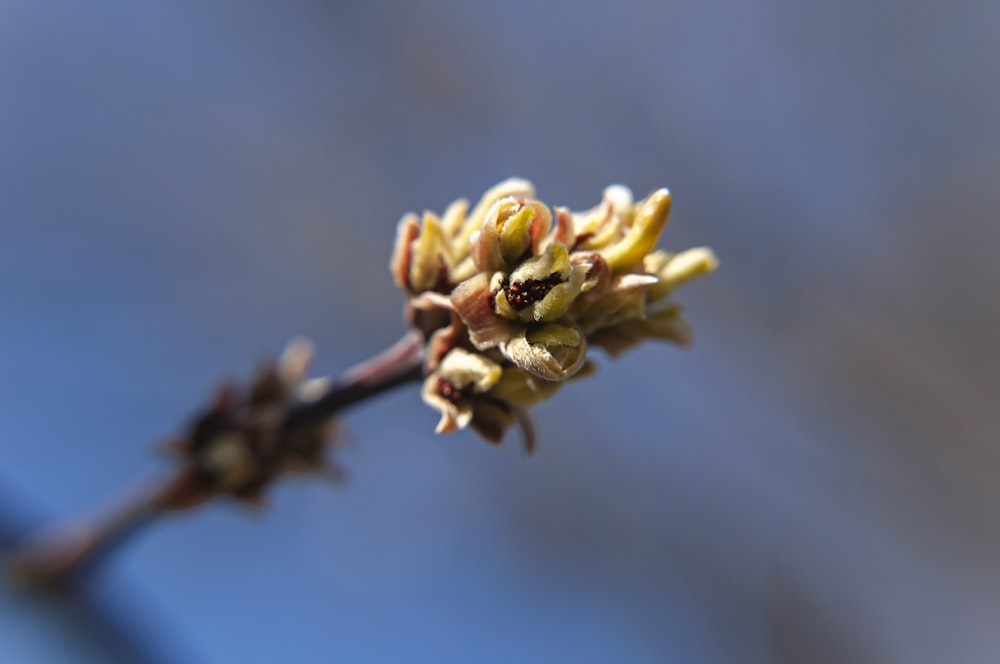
[185,186]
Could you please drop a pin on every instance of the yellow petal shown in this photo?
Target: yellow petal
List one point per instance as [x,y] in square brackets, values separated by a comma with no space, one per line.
[512,187]
[431,259]
[454,215]
[687,265]
[649,221]
[515,234]
[560,298]
[486,244]
[555,260]
[553,335]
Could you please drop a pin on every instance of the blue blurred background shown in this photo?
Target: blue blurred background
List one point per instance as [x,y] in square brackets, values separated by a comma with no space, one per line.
[184,186]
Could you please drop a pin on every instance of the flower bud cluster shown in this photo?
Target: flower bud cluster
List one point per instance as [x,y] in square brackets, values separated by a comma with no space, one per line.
[512,294]
[240,443]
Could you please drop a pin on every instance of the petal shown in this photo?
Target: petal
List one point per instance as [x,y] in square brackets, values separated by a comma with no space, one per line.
[554,362]
[598,272]
[406,232]
[502,304]
[619,197]
[527,430]
[649,221]
[521,389]
[674,270]
[555,260]
[515,234]
[486,248]
[430,257]
[511,229]
[553,335]
[564,232]
[454,215]
[559,299]
[598,309]
[604,224]
[443,340]
[654,263]
[454,416]
[616,201]
[471,300]
[512,187]
[587,370]
[464,369]
[465,269]
[608,232]
[540,224]
[667,325]
[430,300]
[490,420]
[453,420]
[429,311]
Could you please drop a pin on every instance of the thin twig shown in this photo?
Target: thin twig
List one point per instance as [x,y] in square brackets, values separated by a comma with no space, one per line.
[400,364]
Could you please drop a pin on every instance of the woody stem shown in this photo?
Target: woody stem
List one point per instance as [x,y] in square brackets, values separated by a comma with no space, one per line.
[60,558]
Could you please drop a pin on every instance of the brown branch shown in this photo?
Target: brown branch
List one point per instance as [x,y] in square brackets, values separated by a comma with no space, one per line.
[61,557]
[398,365]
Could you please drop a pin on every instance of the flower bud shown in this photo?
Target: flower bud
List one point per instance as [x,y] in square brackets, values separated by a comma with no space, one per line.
[530,294]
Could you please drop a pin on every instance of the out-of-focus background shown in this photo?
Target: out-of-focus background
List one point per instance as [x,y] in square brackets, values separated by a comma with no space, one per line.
[185,186]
